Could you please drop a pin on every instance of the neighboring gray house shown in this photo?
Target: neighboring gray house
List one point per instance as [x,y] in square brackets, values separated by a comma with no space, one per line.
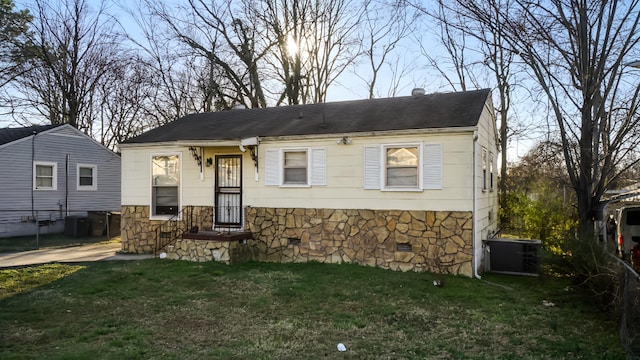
[51,172]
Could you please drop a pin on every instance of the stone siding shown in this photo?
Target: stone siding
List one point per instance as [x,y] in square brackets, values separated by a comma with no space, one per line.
[228,252]
[435,241]
[138,232]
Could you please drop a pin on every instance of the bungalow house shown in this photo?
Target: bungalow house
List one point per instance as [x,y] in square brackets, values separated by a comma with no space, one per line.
[403,183]
[51,172]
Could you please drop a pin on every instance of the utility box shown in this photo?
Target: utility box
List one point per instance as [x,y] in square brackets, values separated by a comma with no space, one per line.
[76,226]
[97,222]
[114,224]
[515,256]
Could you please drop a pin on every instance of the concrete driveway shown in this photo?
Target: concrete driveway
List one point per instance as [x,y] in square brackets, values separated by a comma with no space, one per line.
[74,254]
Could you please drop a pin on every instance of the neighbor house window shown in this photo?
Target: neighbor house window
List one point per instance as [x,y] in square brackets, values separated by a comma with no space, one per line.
[484,169]
[295,167]
[165,171]
[87,177]
[401,165]
[45,176]
[491,171]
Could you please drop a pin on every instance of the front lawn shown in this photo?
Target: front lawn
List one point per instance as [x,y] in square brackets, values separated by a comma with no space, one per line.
[159,309]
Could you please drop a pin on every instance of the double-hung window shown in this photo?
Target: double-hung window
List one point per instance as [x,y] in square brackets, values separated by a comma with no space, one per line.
[402,167]
[484,169]
[491,171]
[45,175]
[87,177]
[296,167]
[165,199]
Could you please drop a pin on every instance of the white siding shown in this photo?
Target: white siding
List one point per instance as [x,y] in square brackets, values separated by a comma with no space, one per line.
[486,215]
[345,181]
[345,187]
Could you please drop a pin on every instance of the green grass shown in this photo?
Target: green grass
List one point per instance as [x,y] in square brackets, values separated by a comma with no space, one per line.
[156,309]
[25,243]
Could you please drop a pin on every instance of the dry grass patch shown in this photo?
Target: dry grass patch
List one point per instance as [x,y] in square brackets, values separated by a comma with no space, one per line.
[179,310]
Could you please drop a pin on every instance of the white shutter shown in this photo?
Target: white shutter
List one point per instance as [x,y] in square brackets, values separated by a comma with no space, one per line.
[372,167]
[272,167]
[318,166]
[432,166]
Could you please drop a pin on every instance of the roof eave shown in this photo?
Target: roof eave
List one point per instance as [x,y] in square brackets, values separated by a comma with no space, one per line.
[181,143]
[222,143]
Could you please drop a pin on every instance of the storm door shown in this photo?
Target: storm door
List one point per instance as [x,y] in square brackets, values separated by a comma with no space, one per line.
[228,190]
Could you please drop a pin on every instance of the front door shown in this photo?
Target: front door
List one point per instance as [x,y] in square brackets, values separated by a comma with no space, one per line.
[228,210]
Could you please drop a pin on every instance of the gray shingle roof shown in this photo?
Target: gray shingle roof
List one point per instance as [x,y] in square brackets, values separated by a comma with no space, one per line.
[439,110]
[8,135]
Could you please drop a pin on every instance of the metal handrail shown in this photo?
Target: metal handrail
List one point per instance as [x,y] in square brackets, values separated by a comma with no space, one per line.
[174,227]
[187,220]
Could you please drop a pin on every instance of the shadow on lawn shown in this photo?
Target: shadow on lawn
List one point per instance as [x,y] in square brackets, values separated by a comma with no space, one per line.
[26,243]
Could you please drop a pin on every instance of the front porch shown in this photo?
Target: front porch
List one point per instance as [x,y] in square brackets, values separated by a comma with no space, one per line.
[211,246]
[141,234]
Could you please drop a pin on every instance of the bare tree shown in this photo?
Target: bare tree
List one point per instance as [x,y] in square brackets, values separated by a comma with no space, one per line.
[70,50]
[313,42]
[173,73]
[456,32]
[124,103]
[576,51]
[384,27]
[227,43]
[331,44]
[286,23]
[454,68]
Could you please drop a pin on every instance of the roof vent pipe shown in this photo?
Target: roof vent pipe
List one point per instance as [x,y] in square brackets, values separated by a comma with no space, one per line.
[417,92]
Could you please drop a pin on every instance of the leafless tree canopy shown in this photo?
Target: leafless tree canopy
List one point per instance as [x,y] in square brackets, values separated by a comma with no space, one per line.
[576,51]
[69,52]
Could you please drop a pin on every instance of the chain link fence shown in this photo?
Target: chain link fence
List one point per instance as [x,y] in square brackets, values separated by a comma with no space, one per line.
[629,309]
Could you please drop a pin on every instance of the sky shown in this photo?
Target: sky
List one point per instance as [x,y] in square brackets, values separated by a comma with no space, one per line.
[349,86]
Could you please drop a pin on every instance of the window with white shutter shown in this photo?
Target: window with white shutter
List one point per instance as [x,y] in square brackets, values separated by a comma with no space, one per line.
[432,167]
[296,167]
[372,162]
[402,167]
[402,164]
[272,167]
[318,166]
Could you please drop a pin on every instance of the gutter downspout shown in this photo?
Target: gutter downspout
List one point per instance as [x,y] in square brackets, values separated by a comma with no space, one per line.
[66,183]
[33,172]
[474,216]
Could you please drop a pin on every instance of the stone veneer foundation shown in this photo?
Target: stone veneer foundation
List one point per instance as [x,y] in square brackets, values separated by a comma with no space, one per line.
[228,252]
[138,232]
[434,241]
